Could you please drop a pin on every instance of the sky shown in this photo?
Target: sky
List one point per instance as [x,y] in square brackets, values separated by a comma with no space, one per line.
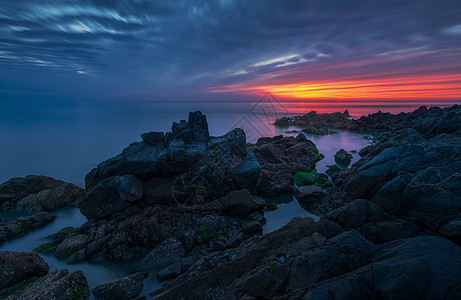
[322,51]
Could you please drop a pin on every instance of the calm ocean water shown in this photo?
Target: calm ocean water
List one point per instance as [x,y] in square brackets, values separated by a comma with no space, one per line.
[66,139]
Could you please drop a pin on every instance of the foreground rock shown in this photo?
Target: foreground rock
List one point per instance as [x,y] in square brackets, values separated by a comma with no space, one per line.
[415,177]
[23,275]
[308,260]
[183,185]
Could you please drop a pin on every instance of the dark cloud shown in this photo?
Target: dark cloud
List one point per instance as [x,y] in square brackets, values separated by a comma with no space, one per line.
[153,49]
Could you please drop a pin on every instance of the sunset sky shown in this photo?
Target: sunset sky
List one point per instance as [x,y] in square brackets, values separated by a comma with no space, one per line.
[376,52]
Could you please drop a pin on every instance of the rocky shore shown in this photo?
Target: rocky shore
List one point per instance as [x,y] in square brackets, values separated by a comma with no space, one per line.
[188,208]
[37,196]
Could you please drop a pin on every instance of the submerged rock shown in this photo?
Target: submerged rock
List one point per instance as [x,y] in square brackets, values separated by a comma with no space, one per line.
[304,178]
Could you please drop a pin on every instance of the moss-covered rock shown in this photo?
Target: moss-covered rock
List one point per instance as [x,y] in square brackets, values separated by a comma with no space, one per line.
[323,181]
[76,257]
[18,288]
[271,206]
[206,235]
[304,178]
[318,156]
[332,169]
[342,158]
[46,248]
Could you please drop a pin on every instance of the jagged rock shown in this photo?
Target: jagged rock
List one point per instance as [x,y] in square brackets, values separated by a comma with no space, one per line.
[187,167]
[189,155]
[123,288]
[16,267]
[188,261]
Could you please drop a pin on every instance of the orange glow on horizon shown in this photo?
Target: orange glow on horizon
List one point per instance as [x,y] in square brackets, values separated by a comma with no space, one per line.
[401,88]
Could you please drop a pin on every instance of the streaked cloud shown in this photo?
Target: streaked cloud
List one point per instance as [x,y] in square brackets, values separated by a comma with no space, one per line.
[183,49]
